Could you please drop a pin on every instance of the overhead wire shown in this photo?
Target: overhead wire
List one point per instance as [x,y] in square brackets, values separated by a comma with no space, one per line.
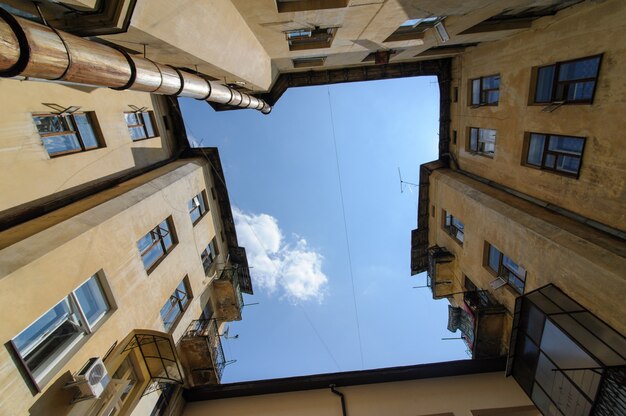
[345,229]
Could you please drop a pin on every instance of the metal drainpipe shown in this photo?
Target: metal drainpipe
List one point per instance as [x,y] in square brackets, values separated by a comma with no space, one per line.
[343,401]
[32,50]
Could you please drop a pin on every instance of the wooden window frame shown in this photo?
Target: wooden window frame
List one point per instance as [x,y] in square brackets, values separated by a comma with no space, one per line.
[166,250]
[177,306]
[502,269]
[556,82]
[477,150]
[555,153]
[142,124]
[451,229]
[203,197]
[91,117]
[483,92]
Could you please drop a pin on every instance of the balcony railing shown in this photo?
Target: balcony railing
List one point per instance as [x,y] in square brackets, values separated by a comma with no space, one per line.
[206,331]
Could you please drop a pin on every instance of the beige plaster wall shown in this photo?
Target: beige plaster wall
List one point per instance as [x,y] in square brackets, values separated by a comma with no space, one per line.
[208,33]
[584,263]
[47,266]
[28,172]
[410,398]
[589,28]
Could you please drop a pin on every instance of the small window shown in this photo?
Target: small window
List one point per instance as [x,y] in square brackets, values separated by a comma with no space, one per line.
[46,341]
[413,28]
[303,5]
[453,136]
[560,154]
[176,305]
[486,90]
[569,82]
[482,141]
[453,227]
[140,125]
[317,38]
[505,268]
[155,245]
[308,62]
[208,255]
[65,134]
[197,207]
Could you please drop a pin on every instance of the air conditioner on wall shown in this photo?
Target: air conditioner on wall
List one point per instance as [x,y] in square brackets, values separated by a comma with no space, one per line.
[92,378]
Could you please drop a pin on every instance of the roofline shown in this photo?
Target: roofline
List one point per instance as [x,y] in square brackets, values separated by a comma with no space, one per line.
[344,379]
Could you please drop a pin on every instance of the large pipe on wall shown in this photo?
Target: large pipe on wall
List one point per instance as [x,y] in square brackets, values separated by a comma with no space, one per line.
[32,50]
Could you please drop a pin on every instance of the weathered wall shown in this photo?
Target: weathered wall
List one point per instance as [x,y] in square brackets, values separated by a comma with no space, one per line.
[50,264]
[417,397]
[589,28]
[585,263]
[28,171]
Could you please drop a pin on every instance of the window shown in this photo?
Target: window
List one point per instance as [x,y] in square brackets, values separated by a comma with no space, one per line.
[453,227]
[302,39]
[505,268]
[197,207]
[308,62]
[209,254]
[482,141]
[568,82]
[65,134]
[486,90]
[140,125]
[413,28]
[155,245]
[561,154]
[176,305]
[302,5]
[46,341]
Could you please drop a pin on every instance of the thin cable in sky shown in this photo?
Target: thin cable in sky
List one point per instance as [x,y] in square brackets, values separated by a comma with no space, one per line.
[345,229]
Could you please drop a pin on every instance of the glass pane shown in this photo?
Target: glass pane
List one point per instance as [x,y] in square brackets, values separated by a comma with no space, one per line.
[152,255]
[476,91]
[494,259]
[526,355]
[572,145]
[448,220]
[562,350]
[535,149]
[493,97]
[61,144]
[137,133]
[569,164]
[491,82]
[46,338]
[131,119]
[550,161]
[543,403]
[545,78]
[487,135]
[514,267]
[580,91]
[92,300]
[86,131]
[587,68]
[146,241]
[195,214]
[50,124]
[474,139]
[147,121]
[168,241]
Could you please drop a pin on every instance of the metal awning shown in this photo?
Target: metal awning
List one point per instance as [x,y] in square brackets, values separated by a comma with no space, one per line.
[159,355]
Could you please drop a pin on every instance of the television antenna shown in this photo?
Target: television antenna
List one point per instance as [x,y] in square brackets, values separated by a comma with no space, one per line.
[402,183]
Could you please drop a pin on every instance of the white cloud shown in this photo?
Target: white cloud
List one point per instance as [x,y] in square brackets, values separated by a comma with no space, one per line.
[293,269]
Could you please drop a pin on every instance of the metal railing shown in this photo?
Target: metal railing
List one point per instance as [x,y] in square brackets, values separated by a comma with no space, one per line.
[207,328]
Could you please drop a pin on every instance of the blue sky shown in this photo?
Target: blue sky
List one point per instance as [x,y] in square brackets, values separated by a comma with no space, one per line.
[282,177]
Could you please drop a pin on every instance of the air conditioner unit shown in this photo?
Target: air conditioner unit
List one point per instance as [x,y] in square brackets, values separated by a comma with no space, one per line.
[93,378]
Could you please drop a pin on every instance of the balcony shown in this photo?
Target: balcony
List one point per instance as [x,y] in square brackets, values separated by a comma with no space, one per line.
[488,317]
[202,354]
[440,273]
[227,292]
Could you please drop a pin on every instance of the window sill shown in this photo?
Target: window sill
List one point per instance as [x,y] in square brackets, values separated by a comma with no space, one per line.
[488,156]
[62,154]
[143,138]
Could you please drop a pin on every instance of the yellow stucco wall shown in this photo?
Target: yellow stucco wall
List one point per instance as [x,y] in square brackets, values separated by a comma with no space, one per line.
[587,29]
[404,398]
[586,264]
[28,172]
[50,264]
